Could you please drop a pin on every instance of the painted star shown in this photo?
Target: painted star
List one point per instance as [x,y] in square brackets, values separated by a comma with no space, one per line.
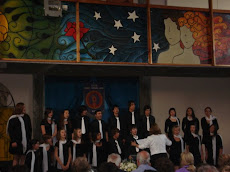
[156,47]
[97,15]
[112,50]
[136,37]
[117,24]
[133,16]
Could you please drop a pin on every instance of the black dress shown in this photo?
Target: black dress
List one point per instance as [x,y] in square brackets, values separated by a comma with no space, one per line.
[15,133]
[169,125]
[205,126]
[37,163]
[101,154]
[193,143]
[207,141]
[186,126]
[77,124]
[175,151]
[112,123]
[48,126]
[65,153]
[80,150]
[144,132]
[50,157]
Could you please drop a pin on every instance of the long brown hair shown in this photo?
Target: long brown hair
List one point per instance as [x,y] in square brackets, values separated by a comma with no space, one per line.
[155,129]
[61,120]
[19,108]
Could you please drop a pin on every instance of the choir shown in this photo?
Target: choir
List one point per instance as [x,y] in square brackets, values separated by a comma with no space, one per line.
[95,139]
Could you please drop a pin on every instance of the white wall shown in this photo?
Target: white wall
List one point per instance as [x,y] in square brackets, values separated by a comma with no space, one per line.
[21,88]
[198,93]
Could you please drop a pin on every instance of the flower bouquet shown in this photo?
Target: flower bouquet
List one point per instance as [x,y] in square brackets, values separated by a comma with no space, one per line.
[128,166]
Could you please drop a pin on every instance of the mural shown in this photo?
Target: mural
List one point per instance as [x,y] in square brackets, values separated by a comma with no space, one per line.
[25,33]
[113,33]
[180,37]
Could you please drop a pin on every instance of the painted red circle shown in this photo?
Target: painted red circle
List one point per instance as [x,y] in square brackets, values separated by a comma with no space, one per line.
[94,99]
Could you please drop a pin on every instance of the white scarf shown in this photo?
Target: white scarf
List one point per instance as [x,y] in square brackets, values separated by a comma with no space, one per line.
[74,147]
[83,130]
[174,117]
[61,154]
[133,118]
[181,140]
[210,119]
[45,157]
[189,118]
[148,123]
[100,128]
[136,138]
[118,123]
[118,146]
[23,129]
[94,159]
[32,160]
[213,147]
[195,135]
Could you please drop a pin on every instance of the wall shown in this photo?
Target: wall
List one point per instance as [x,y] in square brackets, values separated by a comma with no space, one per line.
[21,88]
[198,93]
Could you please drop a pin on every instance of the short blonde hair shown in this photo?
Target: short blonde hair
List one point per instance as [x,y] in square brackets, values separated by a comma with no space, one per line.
[187,159]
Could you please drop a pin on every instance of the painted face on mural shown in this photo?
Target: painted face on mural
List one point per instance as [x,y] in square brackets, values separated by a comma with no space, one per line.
[172,34]
[186,37]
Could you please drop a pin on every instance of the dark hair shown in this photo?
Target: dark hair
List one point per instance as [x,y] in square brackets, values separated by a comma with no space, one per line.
[132,127]
[147,107]
[193,114]
[47,112]
[208,108]
[115,106]
[81,109]
[33,142]
[80,164]
[155,129]
[215,128]
[130,102]
[94,136]
[171,110]
[108,167]
[114,131]
[61,120]
[19,108]
[98,110]
[45,137]
[175,126]
[163,164]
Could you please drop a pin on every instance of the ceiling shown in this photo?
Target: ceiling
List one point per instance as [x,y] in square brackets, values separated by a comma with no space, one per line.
[83,69]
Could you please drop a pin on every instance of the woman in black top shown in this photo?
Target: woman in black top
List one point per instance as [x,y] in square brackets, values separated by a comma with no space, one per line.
[213,146]
[188,121]
[207,121]
[177,146]
[48,125]
[20,131]
[171,121]
[62,152]
[65,123]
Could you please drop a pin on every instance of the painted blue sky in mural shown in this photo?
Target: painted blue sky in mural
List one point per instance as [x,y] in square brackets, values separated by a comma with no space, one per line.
[116,34]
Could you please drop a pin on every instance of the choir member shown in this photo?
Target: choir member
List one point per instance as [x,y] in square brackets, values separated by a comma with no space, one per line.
[82,121]
[207,121]
[33,157]
[188,120]
[177,146]
[46,150]
[99,125]
[115,145]
[65,123]
[116,121]
[62,152]
[146,121]
[171,121]
[213,146]
[132,117]
[20,131]
[133,137]
[97,152]
[193,145]
[78,147]
[156,142]
[48,125]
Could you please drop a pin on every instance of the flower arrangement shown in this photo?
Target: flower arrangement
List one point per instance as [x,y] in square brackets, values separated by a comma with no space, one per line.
[128,166]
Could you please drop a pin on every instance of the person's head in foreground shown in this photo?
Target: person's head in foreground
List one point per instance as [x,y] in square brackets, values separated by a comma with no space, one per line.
[114,158]
[80,165]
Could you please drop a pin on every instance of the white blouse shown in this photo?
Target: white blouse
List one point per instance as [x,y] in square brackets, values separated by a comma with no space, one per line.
[156,143]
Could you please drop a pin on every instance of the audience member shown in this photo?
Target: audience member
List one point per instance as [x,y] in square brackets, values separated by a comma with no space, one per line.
[187,162]
[207,168]
[80,164]
[163,164]
[114,158]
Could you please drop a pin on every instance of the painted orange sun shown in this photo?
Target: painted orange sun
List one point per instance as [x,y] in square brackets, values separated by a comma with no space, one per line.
[3,27]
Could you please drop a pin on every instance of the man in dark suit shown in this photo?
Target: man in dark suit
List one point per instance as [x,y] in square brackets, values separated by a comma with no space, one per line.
[82,121]
[147,121]
[116,121]
[99,125]
[115,145]
[132,117]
